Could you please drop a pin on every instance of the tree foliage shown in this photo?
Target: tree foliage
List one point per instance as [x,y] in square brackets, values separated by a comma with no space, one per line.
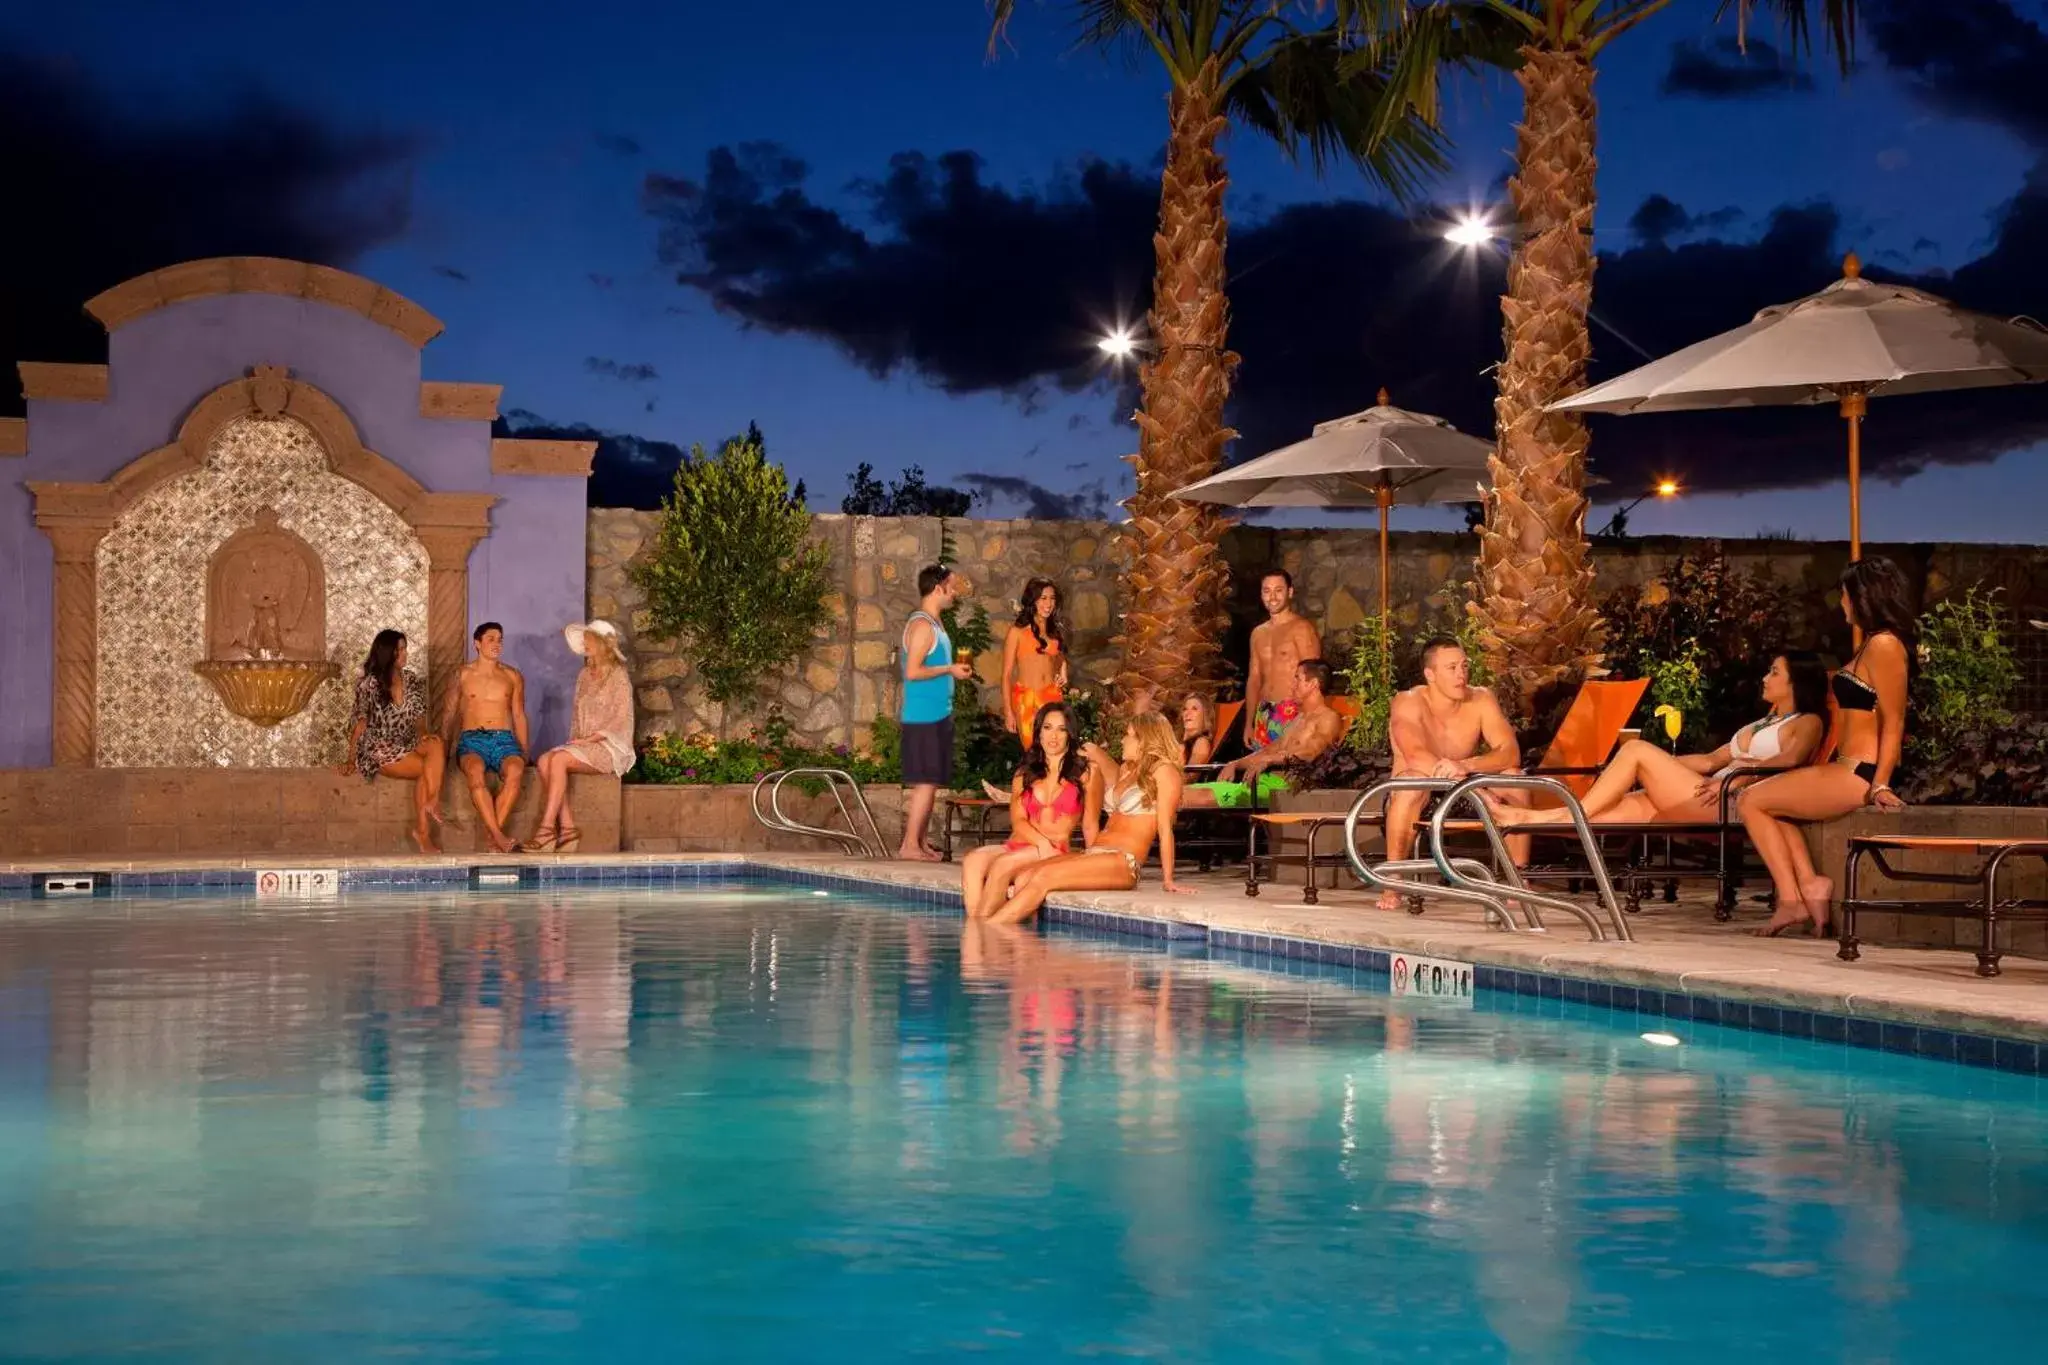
[907,496]
[734,577]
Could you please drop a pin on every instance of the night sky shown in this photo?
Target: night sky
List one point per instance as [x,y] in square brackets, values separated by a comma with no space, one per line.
[845,224]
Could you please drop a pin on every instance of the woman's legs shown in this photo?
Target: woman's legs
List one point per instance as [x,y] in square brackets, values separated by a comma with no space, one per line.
[423,767]
[555,767]
[974,869]
[1821,792]
[1006,869]
[1068,872]
[1639,764]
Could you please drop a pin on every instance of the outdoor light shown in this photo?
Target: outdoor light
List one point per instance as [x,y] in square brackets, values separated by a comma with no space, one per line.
[1667,488]
[1471,230]
[1117,345]
[1661,1039]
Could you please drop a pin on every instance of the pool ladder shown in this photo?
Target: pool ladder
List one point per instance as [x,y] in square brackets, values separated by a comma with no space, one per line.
[1473,882]
[867,842]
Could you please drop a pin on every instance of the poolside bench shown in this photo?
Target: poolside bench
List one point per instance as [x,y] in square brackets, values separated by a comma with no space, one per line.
[1993,856]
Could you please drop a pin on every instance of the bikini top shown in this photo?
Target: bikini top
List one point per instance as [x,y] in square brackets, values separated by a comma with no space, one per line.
[1851,692]
[1129,800]
[1756,742]
[1050,645]
[1068,802]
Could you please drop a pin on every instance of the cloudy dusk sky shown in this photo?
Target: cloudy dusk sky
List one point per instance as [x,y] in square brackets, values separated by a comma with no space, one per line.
[848,225]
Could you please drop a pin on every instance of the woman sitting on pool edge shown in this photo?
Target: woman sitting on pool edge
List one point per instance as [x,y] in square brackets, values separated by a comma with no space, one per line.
[1643,783]
[387,734]
[1141,796]
[1045,805]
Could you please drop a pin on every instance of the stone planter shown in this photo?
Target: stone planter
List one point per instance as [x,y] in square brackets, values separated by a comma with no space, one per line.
[1329,840]
[719,819]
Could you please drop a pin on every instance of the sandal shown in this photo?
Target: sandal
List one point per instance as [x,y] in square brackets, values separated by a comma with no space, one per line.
[544,840]
[568,839]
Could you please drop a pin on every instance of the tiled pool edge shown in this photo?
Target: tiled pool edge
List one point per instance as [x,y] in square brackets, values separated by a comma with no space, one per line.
[1935,1041]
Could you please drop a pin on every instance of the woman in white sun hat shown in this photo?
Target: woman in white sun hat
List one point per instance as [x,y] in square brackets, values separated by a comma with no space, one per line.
[600,733]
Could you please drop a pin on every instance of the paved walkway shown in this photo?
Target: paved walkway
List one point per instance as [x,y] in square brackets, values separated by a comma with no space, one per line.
[1677,947]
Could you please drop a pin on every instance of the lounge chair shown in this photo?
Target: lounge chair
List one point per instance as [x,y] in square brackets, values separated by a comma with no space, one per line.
[1985,907]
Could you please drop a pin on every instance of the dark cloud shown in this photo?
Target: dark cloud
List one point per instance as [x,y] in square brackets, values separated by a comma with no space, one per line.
[449,272]
[628,471]
[977,289]
[620,143]
[631,373]
[936,288]
[98,197]
[1036,501]
[1660,220]
[1977,59]
[1721,68]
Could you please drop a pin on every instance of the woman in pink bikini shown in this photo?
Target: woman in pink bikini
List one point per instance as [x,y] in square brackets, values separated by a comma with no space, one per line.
[1045,805]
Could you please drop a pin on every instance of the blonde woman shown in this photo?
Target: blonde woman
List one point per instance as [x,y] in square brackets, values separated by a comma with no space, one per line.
[601,734]
[1141,795]
[1197,730]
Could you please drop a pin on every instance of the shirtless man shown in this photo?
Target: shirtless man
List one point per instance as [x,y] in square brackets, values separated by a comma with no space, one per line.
[1444,728]
[1280,642]
[490,699]
[1315,729]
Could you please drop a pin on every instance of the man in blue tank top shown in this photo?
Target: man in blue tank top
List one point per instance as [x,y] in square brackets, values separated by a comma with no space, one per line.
[929,671]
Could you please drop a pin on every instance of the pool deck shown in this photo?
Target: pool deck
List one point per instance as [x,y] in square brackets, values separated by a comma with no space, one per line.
[1678,948]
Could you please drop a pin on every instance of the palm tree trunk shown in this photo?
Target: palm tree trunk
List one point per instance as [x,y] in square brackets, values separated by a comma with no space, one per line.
[1174,573]
[1536,612]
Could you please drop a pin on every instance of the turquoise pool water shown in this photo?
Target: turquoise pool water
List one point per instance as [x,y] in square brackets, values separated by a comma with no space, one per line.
[760,1124]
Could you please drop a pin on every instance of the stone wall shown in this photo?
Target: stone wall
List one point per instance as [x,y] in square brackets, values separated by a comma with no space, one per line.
[833,694]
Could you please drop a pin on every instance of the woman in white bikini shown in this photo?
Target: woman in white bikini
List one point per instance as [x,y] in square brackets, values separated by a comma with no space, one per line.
[1644,783]
[1871,695]
[1141,796]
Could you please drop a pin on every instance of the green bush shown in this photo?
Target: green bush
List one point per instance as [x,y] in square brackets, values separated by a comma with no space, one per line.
[1728,622]
[1372,685]
[1967,674]
[701,759]
[733,576]
[1679,683]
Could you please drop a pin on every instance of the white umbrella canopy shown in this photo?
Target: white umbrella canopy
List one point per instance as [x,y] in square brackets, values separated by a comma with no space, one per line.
[1377,458]
[1855,340]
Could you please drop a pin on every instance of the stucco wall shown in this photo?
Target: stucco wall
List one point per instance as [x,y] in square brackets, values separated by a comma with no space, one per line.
[528,573]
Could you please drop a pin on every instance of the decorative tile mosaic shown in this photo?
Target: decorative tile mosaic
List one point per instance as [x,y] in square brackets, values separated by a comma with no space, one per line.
[154,711]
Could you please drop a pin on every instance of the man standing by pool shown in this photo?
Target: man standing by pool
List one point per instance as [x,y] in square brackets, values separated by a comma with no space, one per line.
[1279,642]
[490,698]
[929,671]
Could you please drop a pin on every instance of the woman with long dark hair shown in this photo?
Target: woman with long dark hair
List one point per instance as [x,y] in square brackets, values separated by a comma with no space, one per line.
[387,733]
[1045,805]
[1870,692]
[1034,659]
[1643,782]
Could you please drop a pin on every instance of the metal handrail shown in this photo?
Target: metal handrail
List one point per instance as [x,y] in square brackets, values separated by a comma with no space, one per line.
[1377,875]
[1533,902]
[868,843]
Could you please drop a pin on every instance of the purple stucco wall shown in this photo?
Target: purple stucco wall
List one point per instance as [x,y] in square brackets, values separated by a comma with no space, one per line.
[528,573]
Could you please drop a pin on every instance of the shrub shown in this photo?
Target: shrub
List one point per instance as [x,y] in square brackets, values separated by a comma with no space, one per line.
[1679,684]
[1732,621]
[733,576]
[690,760]
[1372,684]
[1967,674]
[1342,767]
[1984,765]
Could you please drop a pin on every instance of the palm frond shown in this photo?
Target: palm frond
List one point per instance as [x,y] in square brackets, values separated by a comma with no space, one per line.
[1409,47]
[1795,18]
[1295,92]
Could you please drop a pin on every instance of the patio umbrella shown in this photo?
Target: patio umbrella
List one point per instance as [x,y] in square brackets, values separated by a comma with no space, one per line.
[1853,341]
[1376,458]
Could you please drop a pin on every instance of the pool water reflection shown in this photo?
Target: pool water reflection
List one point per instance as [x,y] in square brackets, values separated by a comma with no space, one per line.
[754,1124]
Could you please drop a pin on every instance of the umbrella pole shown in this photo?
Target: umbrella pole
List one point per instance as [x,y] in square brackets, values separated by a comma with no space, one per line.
[1385,499]
[1854,405]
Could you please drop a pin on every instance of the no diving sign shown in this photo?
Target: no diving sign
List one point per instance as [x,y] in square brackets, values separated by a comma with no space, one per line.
[1430,978]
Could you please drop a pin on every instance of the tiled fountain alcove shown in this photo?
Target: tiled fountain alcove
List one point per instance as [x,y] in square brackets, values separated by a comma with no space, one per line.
[154,711]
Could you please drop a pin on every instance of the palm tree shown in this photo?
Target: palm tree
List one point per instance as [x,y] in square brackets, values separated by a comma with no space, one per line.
[1535,607]
[1280,68]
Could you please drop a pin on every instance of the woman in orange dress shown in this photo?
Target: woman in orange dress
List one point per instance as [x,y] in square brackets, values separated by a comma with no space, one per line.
[1034,659]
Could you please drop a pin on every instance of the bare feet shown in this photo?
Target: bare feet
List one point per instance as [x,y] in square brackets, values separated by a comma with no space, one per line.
[919,854]
[424,837]
[503,843]
[1390,900]
[1793,918]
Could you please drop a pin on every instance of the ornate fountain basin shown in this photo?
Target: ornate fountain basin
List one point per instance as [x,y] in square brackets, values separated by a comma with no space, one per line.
[266,691]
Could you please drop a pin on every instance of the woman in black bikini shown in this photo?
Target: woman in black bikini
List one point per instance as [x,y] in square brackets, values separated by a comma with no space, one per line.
[1871,696]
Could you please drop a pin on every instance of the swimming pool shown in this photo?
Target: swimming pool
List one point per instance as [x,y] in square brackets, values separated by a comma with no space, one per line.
[757,1122]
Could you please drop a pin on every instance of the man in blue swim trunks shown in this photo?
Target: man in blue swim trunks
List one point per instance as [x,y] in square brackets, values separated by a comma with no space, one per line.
[490,699]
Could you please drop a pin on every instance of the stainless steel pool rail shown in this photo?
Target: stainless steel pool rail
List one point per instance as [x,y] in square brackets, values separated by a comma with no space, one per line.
[1467,880]
[868,842]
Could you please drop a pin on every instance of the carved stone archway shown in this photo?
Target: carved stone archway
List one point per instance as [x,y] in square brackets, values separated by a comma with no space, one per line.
[76,516]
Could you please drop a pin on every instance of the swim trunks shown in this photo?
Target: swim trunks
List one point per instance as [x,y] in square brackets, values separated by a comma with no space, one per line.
[1237,795]
[492,746]
[1272,721]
